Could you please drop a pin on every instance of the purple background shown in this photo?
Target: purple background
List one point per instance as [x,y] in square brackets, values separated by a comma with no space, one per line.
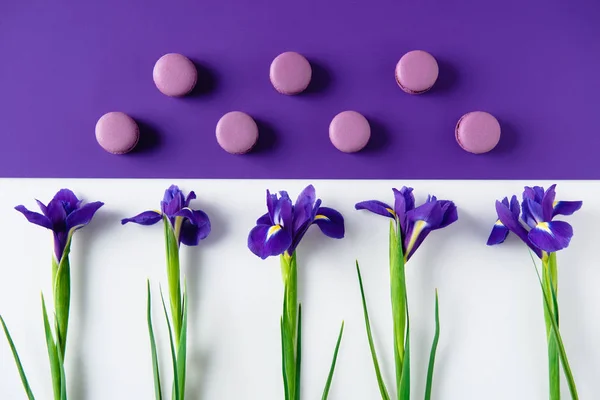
[535,65]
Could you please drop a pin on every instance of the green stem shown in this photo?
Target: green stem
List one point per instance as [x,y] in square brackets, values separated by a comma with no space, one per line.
[398,298]
[289,274]
[549,282]
[173,276]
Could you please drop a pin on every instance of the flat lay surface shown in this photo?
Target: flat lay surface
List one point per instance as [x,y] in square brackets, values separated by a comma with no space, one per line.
[492,342]
[533,65]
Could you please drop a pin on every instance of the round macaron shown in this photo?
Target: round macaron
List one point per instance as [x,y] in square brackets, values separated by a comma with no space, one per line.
[237,132]
[175,75]
[290,73]
[477,132]
[349,131]
[117,132]
[416,72]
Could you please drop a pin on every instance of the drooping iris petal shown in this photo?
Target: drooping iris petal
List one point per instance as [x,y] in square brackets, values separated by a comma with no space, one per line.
[145,218]
[195,226]
[264,219]
[303,207]
[510,221]
[498,234]
[551,236]
[331,222]
[548,203]
[377,207]
[421,221]
[34,217]
[265,240]
[566,207]
[82,216]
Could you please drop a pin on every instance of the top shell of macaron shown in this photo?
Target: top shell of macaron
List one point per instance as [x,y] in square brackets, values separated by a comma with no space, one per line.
[290,73]
[416,72]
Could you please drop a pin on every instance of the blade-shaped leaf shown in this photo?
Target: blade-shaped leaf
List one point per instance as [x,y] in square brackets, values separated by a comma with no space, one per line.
[404,392]
[171,342]
[434,345]
[17,361]
[52,354]
[63,377]
[172,251]
[398,297]
[155,365]
[283,361]
[298,353]
[62,297]
[380,382]
[332,369]
[182,350]
[549,299]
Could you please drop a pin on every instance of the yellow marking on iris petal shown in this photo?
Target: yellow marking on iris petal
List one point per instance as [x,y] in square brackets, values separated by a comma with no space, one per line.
[499,223]
[555,203]
[544,226]
[322,217]
[419,226]
[273,230]
[391,211]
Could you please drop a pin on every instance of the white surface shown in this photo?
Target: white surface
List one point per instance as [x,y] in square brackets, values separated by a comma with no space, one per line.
[492,344]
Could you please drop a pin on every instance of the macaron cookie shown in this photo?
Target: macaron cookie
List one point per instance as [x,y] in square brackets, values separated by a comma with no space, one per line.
[477,132]
[237,132]
[349,131]
[416,72]
[175,75]
[290,73]
[117,133]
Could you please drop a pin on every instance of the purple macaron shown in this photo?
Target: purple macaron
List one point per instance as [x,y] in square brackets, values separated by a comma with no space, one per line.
[290,73]
[416,72]
[477,132]
[175,75]
[349,131]
[237,132]
[117,133]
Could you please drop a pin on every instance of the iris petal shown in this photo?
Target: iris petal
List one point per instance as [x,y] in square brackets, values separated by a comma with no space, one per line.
[404,201]
[34,217]
[331,222]
[510,221]
[68,199]
[377,207]
[498,235]
[532,213]
[82,216]
[421,221]
[145,218]
[551,236]
[191,196]
[548,203]
[515,208]
[264,241]
[449,213]
[303,207]
[195,226]
[172,201]
[566,207]
[264,219]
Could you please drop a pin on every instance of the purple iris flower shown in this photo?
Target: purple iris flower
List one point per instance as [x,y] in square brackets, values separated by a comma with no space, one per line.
[415,222]
[283,226]
[535,226]
[190,226]
[63,216]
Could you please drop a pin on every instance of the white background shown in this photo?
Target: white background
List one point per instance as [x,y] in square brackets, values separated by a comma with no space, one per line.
[492,344]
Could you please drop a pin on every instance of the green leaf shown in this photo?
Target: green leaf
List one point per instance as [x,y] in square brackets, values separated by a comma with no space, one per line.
[182,350]
[52,354]
[62,297]
[17,361]
[63,377]
[561,348]
[172,250]
[381,383]
[155,366]
[398,297]
[298,353]
[289,318]
[434,345]
[332,369]
[283,361]
[404,391]
[173,357]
